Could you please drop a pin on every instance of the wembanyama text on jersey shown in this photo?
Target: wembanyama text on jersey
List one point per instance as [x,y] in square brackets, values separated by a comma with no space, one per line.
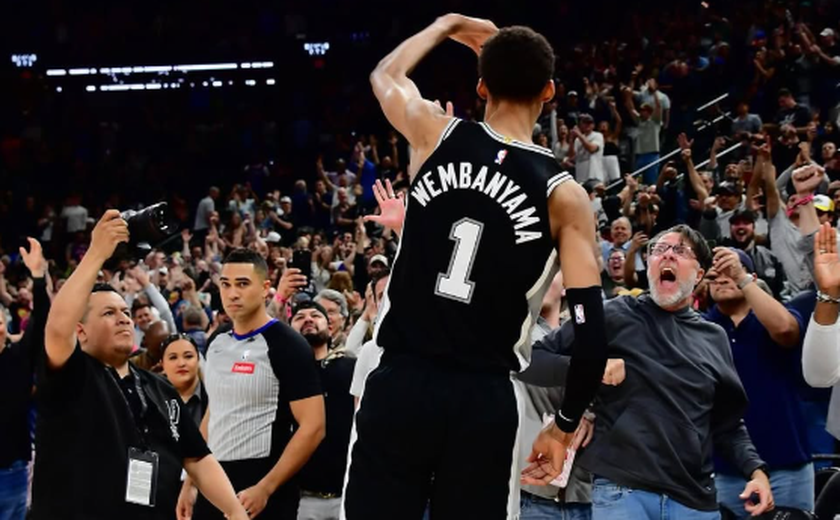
[476,254]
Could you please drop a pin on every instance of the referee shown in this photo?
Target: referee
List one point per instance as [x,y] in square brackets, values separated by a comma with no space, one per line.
[266,415]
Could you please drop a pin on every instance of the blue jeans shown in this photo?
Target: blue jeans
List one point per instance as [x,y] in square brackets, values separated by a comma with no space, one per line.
[14,482]
[791,488]
[613,502]
[650,175]
[536,508]
[816,414]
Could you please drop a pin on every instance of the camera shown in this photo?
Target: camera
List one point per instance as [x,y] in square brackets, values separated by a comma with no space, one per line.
[148,228]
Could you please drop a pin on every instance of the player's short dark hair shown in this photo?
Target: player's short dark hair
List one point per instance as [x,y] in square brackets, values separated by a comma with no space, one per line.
[246,256]
[516,63]
[695,240]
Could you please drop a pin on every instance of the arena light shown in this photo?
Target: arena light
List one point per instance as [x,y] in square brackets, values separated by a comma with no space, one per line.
[250,82]
[148,69]
[316,48]
[90,88]
[58,89]
[270,81]
[206,66]
[115,88]
[217,83]
[24,60]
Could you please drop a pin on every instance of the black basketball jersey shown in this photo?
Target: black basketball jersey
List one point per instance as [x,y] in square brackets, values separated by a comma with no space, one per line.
[476,253]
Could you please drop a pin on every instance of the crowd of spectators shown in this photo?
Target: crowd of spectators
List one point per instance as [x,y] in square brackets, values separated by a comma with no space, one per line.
[293,179]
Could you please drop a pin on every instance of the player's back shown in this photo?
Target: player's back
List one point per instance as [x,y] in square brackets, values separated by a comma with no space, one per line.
[476,253]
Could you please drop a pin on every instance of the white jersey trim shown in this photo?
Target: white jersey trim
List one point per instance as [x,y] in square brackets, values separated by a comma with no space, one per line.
[513,511]
[534,296]
[557,180]
[513,142]
[447,130]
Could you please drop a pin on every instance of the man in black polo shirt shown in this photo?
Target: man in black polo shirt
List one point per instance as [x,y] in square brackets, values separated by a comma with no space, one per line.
[111,439]
[322,479]
[16,367]
[266,411]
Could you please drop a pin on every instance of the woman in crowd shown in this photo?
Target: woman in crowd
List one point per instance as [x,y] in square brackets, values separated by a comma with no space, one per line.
[181,367]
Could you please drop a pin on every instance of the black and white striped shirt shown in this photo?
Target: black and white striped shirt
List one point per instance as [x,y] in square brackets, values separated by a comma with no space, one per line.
[250,380]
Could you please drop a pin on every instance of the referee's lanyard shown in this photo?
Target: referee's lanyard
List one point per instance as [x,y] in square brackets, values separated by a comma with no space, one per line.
[143,464]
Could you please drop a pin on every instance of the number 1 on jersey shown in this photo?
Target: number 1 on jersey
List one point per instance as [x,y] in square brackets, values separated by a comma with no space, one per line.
[454,284]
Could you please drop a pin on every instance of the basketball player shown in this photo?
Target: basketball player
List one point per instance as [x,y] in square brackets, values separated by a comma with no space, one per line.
[487,213]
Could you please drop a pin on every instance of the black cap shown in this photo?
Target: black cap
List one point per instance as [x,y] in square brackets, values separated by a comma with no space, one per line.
[310,304]
[742,214]
[728,187]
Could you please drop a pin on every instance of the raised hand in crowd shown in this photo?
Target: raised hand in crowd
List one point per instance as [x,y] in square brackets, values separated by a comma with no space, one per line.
[34,258]
[391,207]
[370,305]
[142,277]
[826,261]
[806,179]
[684,143]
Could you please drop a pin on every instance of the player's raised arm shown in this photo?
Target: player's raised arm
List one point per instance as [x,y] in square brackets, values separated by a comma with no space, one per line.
[421,121]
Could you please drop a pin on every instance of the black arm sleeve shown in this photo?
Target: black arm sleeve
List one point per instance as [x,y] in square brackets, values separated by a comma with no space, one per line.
[589,355]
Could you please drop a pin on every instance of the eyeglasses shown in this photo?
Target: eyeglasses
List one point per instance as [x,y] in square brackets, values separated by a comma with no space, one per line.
[680,250]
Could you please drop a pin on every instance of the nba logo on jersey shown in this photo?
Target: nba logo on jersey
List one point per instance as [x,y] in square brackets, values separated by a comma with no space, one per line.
[500,157]
[580,317]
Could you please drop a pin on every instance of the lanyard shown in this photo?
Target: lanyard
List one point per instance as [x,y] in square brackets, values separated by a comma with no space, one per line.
[144,405]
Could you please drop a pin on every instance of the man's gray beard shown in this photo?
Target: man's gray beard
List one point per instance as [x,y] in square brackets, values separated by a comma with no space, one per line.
[685,289]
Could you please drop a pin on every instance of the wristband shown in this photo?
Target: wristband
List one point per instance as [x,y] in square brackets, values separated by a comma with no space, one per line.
[745,281]
[279,299]
[825,298]
[801,202]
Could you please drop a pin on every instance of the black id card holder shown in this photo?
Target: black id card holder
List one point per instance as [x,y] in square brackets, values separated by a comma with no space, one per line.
[141,484]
